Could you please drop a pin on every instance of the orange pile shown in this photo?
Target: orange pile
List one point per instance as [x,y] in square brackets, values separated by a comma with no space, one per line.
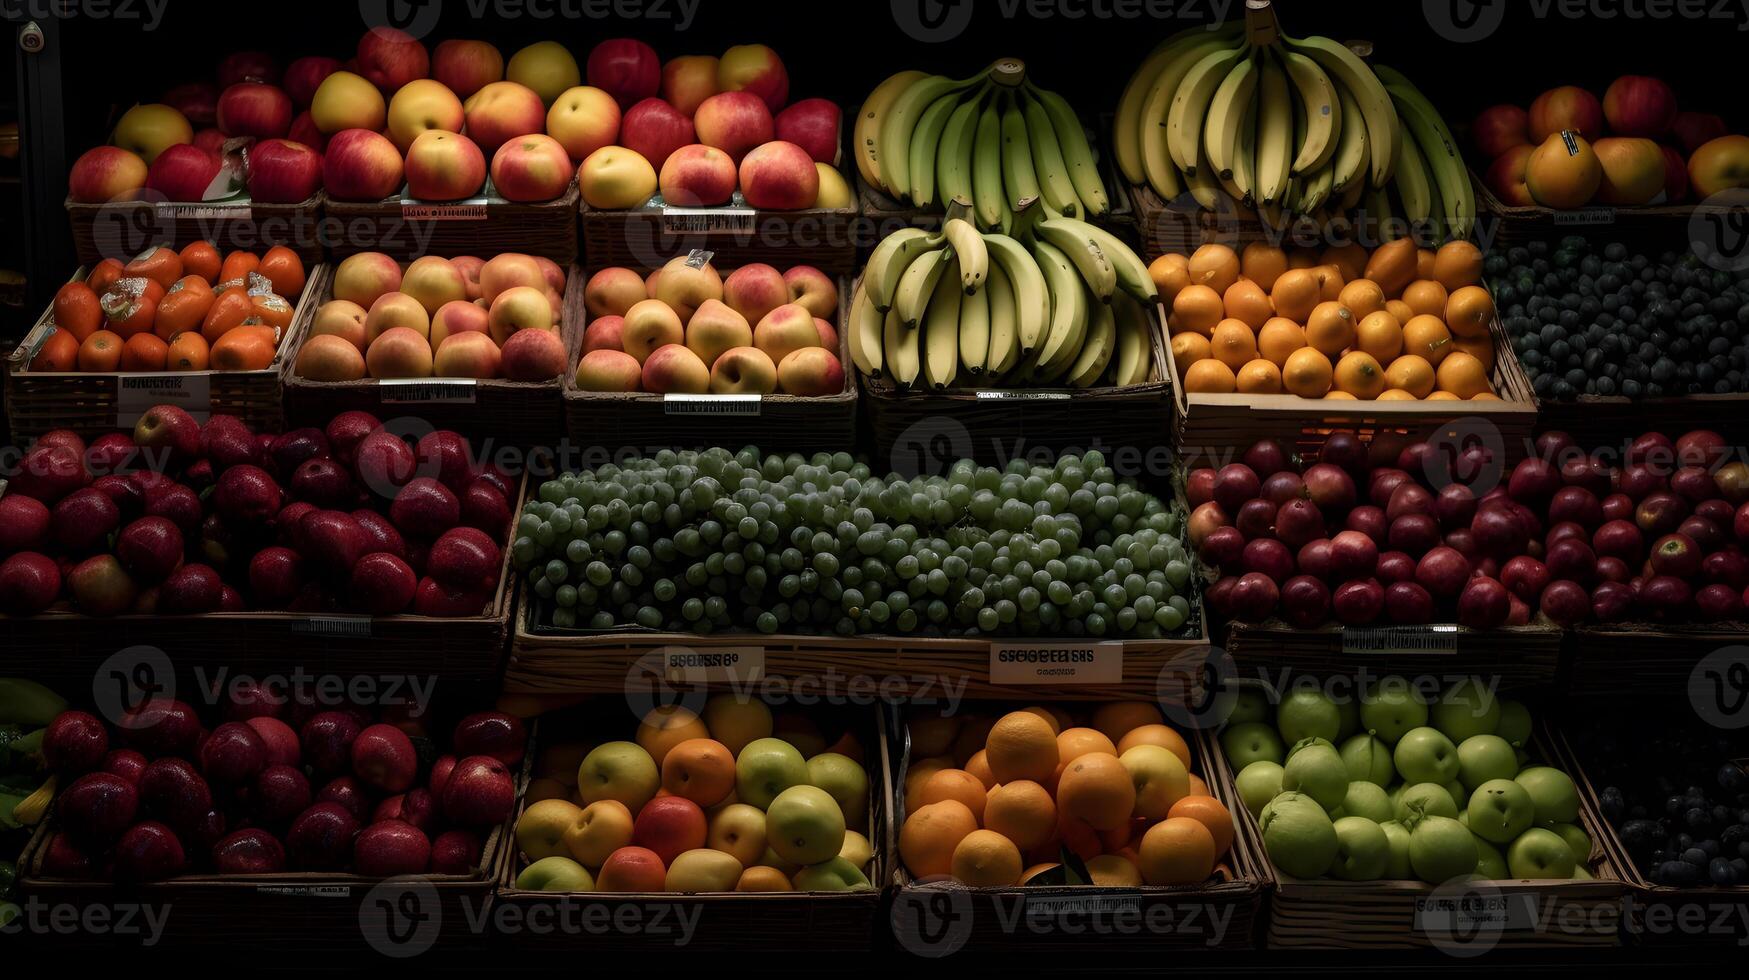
[175,311]
[997,802]
[1403,323]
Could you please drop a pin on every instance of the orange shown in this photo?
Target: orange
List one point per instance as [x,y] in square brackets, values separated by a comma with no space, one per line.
[1359,374]
[1424,259]
[144,352]
[101,351]
[1330,329]
[1057,718]
[1412,374]
[951,784]
[979,766]
[1247,302]
[666,726]
[76,310]
[1023,812]
[1363,297]
[701,770]
[1234,344]
[1427,338]
[1189,348]
[1426,297]
[1468,313]
[238,265]
[1177,851]
[1259,377]
[187,352]
[285,270]
[920,772]
[1350,258]
[1215,266]
[1296,294]
[1484,396]
[930,834]
[183,307]
[763,879]
[1197,309]
[201,259]
[161,265]
[1336,395]
[60,352]
[1073,743]
[1443,396]
[1456,265]
[1212,814]
[1097,789]
[1279,338]
[1197,786]
[986,859]
[229,309]
[1396,395]
[1114,871]
[1307,373]
[1379,335]
[1078,836]
[1210,377]
[1023,745]
[1401,310]
[1393,266]
[245,348]
[1159,734]
[1330,281]
[1481,349]
[103,275]
[1462,375]
[1171,273]
[1303,258]
[1262,263]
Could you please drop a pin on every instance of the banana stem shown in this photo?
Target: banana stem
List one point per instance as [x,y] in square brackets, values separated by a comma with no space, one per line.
[1262,26]
[1008,72]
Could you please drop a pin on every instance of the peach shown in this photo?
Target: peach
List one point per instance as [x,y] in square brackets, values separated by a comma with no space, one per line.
[583,119]
[1567,107]
[105,173]
[813,290]
[609,370]
[1564,172]
[810,372]
[534,355]
[615,178]
[517,309]
[507,271]
[757,69]
[458,317]
[466,66]
[444,166]
[716,328]
[531,168]
[328,357]
[606,333]
[363,277]
[612,291]
[1633,170]
[734,122]
[466,355]
[346,100]
[399,353]
[779,176]
[698,176]
[755,290]
[341,318]
[1721,166]
[546,68]
[420,106]
[743,371]
[785,330]
[686,283]
[689,80]
[433,281]
[502,111]
[394,311]
[469,266]
[672,369]
[649,325]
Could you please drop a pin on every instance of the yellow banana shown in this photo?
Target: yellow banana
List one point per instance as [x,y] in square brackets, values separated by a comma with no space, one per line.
[1190,106]
[1096,349]
[864,333]
[1226,114]
[1004,345]
[1320,111]
[974,331]
[941,327]
[1346,69]
[1275,133]
[970,251]
[1351,151]
[925,142]
[899,123]
[917,285]
[1077,153]
[1068,308]
[1134,356]
[890,259]
[1032,298]
[1089,259]
[866,132]
[904,354]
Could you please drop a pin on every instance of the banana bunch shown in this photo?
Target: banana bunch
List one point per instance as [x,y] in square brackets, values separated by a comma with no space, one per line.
[1252,118]
[994,139]
[1059,303]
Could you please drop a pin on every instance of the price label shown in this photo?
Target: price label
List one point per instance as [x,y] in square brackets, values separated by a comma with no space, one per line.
[459,211]
[1464,915]
[1407,640]
[1076,906]
[306,891]
[136,393]
[1586,216]
[1023,396]
[207,212]
[678,404]
[427,391]
[718,665]
[684,221]
[1056,664]
[354,626]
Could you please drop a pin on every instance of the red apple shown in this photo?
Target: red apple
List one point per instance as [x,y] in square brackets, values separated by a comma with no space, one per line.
[815,125]
[444,166]
[183,172]
[1694,130]
[1636,105]
[1508,174]
[283,172]
[625,68]
[734,122]
[466,66]
[105,173]
[655,129]
[254,109]
[1567,107]
[247,66]
[531,168]
[478,792]
[391,58]
[303,75]
[361,165]
[1500,128]
[199,102]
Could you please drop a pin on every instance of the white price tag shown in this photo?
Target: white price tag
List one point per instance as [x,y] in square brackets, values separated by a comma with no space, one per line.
[678,404]
[1467,914]
[1023,396]
[1441,640]
[731,665]
[1055,664]
[428,391]
[136,393]
[354,626]
[306,891]
[682,221]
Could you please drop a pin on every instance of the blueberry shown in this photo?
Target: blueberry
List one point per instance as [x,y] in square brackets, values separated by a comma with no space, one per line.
[1722,872]
[1731,778]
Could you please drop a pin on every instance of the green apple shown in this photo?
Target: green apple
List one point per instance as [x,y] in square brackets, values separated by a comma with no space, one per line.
[857,849]
[1458,793]
[1253,740]
[1258,783]
[1553,792]
[1431,799]
[846,780]
[1540,853]
[1250,704]
[1514,724]
[835,875]
[1577,840]
[1315,768]
[1348,718]
[1500,810]
[1425,755]
[765,768]
[1160,779]
[620,771]
[1582,873]
[1398,867]
[1392,708]
[702,870]
[556,874]
[804,825]
[1441,849]
[1362,850]
[1485,757]
[1463,816]
[1466,708]
[1490,863]
[1367,800]
[1298,836]
[1368,758]
[770,859]
[1307,713]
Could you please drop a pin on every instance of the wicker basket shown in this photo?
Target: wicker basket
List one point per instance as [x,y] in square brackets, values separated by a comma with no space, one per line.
[550,661]
[95,402]
[1182,226]
[521,414]
[409,229]
[942,917]
[124,229]
[714,922]
[1519,656]
[1659,227]
[1639,659]
[646,421]
[1330,914]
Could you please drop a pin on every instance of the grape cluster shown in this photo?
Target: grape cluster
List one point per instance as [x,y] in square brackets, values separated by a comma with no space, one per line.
[704,542]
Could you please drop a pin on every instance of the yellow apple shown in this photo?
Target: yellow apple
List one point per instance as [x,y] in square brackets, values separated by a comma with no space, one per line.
[421,105]
[546,67]
[615,178]
[347,101]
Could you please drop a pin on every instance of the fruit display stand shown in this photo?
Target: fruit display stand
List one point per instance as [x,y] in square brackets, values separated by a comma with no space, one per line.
[992,920]
[101,401]
[645,420]
[842,922]
[1612,420]
[1183,226]
[507,413]
[1633,659]
[123,228]
[1462,917]
[1519,656]
[485,226]
[1659,226]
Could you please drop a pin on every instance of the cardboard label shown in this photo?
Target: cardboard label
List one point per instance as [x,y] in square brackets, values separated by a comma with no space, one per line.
[733,665]
[136,393]
[1056,664]
[208,212]
[333,625]
[1468,914]
[1023,396]
[1413,640]
[458,211]
[428,391]
[683,221]
[1586,216]
[1081,905]
[306,891]
[677,404]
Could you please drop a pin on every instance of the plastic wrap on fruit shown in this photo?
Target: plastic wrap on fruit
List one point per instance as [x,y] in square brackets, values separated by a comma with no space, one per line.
[122,298]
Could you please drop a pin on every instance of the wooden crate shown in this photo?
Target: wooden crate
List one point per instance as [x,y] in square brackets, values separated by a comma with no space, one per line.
[1519,656]
[806,922]
[124,229]
[1330,914]
[1182,226]
[521,414]
[940,917]
[1614,421]
[1641,659]
[408,229]
[1657,227]
[95,402]
[544,660]
[647,421]
[927,431]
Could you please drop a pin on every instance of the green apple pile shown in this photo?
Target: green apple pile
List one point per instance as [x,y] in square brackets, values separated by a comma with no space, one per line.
[1402,787]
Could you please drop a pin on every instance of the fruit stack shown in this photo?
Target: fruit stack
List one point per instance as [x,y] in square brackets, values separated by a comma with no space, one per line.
[1405,787]
[1041,797]
[728,799]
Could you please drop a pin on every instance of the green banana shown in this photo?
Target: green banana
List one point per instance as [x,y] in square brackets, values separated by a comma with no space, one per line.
[918,285]
[953,155]
[1275,133]
[1412,182]
[1131,271]
[1068,306]
[1004,344]
[1133,359]
[1018,178]
[1077,153]
[28,704]
[900,122]
[925,141]
[1440,152]
[987,191]
[1351,150]
[889,261]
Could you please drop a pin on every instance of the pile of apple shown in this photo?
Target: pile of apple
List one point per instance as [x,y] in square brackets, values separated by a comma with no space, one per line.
[686,329]
[181,518]
[464,317]
[1403,786]
[279,784]
[1632,148]
[727,799]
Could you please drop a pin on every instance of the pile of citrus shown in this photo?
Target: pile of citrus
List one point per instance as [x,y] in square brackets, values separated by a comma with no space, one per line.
[1401,323]
[996,802]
